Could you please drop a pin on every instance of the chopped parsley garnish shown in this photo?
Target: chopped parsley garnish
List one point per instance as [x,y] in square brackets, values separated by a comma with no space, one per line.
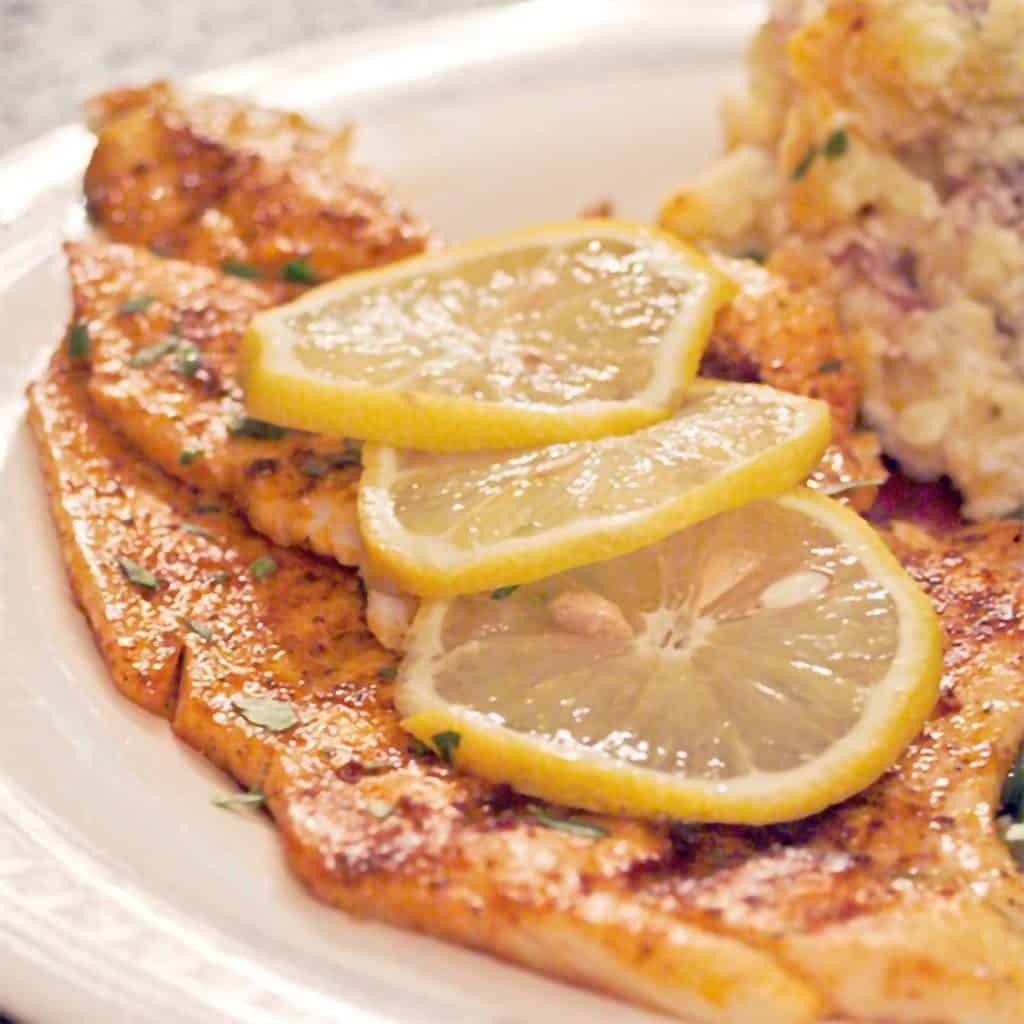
[78,341]
[201,629]
[220,576]
[836,145]
[379,808]
[254,798]
[202,507]
[189,361]
[137,305]
[260,430]
[197,531]
[831,366]
[153,353]
[163,251]
[417,747]
[756,255]
[387,672]
[833,490]
[262,568]
[502,592]
[138,574]
[1012,798]
[1017,513]
[239,269]
[805,163]
[266,712]
[300,272]
[447,743]
[314,468]
[349,457]
[573,826]
[189,455]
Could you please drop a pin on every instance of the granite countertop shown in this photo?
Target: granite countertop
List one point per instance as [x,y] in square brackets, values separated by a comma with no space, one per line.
[53,54]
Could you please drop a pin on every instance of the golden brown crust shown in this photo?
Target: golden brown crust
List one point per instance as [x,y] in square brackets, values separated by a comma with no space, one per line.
[721,923]
[211,179]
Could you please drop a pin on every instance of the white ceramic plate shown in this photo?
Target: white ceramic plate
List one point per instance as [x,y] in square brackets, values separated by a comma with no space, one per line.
[124,895]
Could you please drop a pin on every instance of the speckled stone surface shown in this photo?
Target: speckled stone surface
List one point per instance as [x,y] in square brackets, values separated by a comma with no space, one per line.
[54,53]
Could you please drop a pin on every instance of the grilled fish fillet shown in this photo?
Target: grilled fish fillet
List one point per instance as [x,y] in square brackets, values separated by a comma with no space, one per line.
[901,904]
[214,180]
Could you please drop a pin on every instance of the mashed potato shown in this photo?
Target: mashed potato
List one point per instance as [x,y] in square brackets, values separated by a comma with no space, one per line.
[879,151]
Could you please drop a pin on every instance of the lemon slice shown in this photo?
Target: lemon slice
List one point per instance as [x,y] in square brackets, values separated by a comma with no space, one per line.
[441,525]
[756,667]
[560,333]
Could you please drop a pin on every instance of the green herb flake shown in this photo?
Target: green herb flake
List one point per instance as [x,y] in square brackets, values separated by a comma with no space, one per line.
[254,798]
[502,592]
[348,457]
[446,743]
[571,826]
[387,672]
[137,305]
[239,269]
[163,251]
[189,455]
[259,430]
[266,712]
[201,629]
[189,360]
[834,490]
[754,255]
[138,574]
[1013,790]
[197,531]
[805,163]
[262,568]
[153,353]
[379,808]
[221,576]
[201,508]
[300,272]
[79,341]
[1017,513]
[836,145]
[418,748]
[314,467]
[832,366]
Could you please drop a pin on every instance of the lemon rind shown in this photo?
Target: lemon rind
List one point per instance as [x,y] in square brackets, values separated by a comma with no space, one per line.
[891,719]
[419,565]
[278,392]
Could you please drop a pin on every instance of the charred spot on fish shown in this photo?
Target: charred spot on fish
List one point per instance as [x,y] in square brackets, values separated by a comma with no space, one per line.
[739,367]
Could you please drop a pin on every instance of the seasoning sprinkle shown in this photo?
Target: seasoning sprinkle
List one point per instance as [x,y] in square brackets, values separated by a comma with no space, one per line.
[138,574]
[220,576]
[502,592]
[137,305]
[260,430]
[831,366]
[572,826]
[300,272]
[189,455]
[755,255]
[387,672]
[447,743]
[262,568]
[417,747]
[201,629]
[254,798]
[153,353]
[239,269]
[314,468]
[79,341]
[266,712]
[197,531]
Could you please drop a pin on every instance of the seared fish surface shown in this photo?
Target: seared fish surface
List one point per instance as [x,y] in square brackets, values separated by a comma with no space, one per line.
[222,182]
[901,904]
